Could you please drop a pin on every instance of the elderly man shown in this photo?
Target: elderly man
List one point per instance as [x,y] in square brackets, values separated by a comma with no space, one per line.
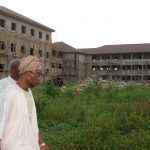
[18,119]
[12,78]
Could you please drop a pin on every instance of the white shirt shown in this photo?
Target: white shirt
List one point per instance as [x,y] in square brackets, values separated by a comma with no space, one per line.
[5,82]
[18,120]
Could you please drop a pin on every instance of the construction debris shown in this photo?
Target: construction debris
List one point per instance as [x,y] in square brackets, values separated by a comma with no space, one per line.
[106,83]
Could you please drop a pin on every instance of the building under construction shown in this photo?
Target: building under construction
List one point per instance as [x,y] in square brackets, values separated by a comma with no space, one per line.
[21,36]
[117,62]
[74,62]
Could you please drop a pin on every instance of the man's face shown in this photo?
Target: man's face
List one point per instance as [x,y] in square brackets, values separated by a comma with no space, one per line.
[33,78]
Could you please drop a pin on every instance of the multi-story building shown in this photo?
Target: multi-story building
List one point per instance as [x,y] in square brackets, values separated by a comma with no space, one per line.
[21,36]
[74,62]
[118,62]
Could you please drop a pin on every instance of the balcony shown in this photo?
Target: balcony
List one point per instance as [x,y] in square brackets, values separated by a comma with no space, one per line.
[122,72]
[121,62]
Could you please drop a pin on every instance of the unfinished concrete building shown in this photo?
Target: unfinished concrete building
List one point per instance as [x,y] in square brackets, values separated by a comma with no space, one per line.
[74,62]
[21,36]
[118,62]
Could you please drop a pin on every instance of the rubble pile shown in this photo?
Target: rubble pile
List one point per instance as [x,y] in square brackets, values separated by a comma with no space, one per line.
[84,84]
[92,79]
[106,83]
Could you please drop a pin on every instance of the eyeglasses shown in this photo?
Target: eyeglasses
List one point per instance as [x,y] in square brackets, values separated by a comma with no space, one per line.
[37,74]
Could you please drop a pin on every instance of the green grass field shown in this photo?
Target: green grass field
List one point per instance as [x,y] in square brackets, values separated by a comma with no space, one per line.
[95,119]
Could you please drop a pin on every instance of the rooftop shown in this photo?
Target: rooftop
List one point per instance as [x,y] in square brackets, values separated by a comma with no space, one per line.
[8,12]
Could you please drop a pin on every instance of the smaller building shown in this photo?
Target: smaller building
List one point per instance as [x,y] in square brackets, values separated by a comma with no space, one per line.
[73,61]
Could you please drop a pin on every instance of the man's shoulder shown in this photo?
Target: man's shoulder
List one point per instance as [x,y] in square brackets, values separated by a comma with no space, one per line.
[9,87]
[8,92]
[3,83]
[11,90]
[4,79]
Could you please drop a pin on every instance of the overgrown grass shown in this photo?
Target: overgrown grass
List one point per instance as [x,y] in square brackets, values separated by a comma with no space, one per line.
[95,119]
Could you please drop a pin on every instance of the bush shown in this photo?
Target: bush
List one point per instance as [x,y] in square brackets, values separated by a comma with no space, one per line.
[96,119]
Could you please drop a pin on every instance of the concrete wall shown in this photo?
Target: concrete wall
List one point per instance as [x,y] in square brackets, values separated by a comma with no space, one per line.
[69,66]
[81,66]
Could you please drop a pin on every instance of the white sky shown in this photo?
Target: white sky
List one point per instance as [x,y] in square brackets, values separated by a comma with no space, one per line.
[89,23]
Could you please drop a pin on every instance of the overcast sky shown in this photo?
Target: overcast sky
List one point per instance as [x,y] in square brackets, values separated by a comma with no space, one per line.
[89,23]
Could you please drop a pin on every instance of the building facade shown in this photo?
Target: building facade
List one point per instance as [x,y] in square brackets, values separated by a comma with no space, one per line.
[120,62]
[21,36]
[117,62]
[73,62]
